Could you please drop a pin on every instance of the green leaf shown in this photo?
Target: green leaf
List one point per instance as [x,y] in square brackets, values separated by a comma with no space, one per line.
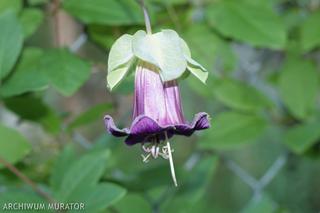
[65,71]
[133,203]
[293,19]
[37,2]
[101,35]
[37,69]
[232,129]
[13,5]
[200,176]
[13,146]
[32,108]
[170,2]
[101,196]
[61,166]
[144,178]
[93,114]
[263,3]
[85,172]
[193,189]
[162,49]
[110,12]
[51,122]
[249,23]
[200,88]
[11,39]
[27,107]
[262,205]
[298,85]
[28,75]
[239,95]
[301,137]
[310,33]
[31,20]
[13,195]
[208,48]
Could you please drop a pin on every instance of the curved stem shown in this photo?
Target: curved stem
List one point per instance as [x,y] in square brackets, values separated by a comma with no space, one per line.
[26,180]
[56,6]
[146,17]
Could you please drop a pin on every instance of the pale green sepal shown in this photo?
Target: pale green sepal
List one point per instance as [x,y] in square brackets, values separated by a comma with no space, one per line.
[120,53]
[199,73]
[141,46]
[163,50]
[196,64]
[187,54]
[114,77]
[169,55]
[185,49]
[194,67]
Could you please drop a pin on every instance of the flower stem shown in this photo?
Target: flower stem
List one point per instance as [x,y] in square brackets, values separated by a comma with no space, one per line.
[56,6]
[173,174]
[146,16]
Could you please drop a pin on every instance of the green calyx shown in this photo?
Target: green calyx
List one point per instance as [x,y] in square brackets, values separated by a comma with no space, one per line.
[165,50]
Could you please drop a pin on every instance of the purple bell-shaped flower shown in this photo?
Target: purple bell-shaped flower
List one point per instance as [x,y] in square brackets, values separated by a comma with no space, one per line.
[162,58]
[157,111]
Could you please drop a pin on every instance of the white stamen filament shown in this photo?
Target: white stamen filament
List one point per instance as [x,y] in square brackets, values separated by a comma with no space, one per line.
[173,174]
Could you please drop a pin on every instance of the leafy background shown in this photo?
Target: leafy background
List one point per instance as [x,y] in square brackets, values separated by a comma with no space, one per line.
[261,154]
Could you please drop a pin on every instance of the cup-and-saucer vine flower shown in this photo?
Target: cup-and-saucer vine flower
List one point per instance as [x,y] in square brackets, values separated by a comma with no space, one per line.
[158,61]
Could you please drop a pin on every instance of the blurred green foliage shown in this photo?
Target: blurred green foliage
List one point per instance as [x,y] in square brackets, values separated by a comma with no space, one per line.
[260,155]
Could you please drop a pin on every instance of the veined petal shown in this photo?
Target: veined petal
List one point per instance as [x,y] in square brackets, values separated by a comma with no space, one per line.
[149,97]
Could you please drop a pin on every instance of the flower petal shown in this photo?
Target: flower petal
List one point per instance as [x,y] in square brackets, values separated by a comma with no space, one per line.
[200,121]
[113,129]
[144,128]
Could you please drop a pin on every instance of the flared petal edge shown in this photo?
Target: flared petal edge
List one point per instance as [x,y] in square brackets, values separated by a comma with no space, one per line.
[113,129]
[145,129]
[201,121]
